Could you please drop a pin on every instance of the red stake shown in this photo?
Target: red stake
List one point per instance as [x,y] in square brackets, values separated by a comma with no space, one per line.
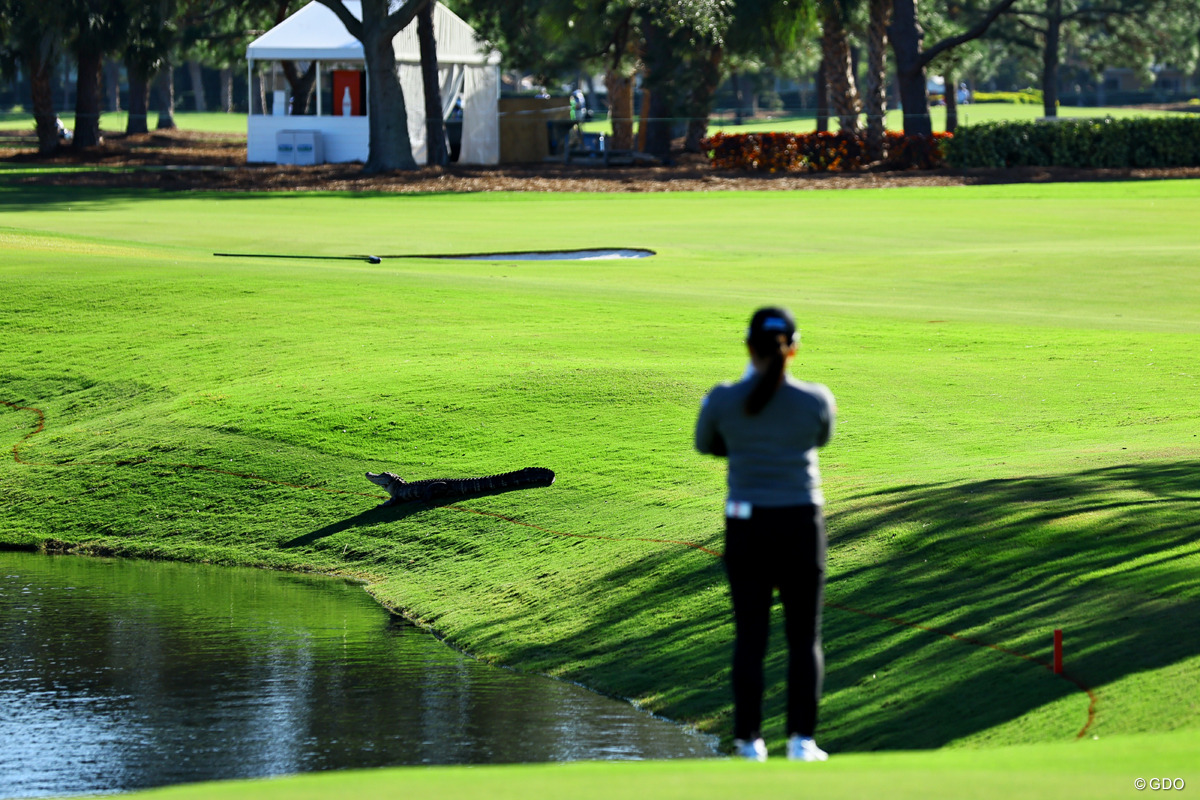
[1058,651]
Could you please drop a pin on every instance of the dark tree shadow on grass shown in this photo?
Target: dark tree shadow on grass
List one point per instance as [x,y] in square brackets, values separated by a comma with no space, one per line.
[1101,553]
[1107,554]
[384,514]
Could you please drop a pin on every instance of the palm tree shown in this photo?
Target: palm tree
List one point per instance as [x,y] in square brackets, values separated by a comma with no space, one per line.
[876,96]
[839,67]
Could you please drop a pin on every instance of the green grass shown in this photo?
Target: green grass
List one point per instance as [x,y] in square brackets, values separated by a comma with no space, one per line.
[1017,448]
[1098,769]
[971,114]
[206,122]
[235,124]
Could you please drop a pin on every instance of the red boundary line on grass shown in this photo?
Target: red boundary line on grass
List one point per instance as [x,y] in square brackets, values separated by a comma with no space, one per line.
[41,426]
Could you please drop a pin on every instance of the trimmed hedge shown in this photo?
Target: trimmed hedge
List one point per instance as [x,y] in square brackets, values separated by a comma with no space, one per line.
[1023,97]
[820,152]
[1099,143]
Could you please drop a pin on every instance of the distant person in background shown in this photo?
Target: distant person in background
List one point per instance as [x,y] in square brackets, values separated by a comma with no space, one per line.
[579,107]
[769,426]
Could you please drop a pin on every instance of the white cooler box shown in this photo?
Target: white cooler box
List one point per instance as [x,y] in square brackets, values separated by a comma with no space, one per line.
[302,148]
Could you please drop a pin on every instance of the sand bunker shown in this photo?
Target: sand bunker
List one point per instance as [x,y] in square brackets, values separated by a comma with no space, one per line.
[597,254]
[592,254]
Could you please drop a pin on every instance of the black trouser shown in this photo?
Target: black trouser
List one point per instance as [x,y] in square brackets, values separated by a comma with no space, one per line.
[784,548]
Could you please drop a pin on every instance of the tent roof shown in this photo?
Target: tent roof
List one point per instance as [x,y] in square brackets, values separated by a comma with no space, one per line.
[314,33]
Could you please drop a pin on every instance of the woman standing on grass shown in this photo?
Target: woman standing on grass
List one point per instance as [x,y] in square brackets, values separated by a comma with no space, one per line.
[769,426]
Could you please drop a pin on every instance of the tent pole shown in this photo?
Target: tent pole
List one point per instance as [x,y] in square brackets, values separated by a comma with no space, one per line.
[250,86]
[318,63]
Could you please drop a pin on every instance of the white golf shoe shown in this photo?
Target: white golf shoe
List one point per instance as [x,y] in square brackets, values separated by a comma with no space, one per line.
[804,748]
[755,750]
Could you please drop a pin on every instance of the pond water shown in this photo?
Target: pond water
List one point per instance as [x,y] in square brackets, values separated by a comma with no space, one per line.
[119,674]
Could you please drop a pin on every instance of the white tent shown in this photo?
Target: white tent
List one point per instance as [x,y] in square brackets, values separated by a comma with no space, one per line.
[469,72]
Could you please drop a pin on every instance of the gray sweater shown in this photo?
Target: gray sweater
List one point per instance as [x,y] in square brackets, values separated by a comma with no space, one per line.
[772,456]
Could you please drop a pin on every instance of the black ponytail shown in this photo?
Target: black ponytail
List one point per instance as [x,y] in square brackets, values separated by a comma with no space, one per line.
[776,350]
[771,336]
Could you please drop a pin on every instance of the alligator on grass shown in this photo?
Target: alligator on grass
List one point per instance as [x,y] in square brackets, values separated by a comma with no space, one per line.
[403,491]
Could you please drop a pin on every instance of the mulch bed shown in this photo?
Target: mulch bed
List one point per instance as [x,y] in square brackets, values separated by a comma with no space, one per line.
[192,161]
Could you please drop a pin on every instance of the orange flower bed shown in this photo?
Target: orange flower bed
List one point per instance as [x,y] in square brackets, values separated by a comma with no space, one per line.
[820,152]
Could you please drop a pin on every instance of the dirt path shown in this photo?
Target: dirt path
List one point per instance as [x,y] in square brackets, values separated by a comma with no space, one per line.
[191,161]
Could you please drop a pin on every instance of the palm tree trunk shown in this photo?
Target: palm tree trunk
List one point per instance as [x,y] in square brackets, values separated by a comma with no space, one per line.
[437,148]
[905,34]
[1053,36]
[835,46]
[876,99]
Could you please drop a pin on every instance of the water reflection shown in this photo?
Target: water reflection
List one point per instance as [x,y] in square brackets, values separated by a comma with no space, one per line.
[118,675]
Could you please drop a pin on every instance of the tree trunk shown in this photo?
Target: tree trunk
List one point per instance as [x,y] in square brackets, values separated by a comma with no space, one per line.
[876,99]
[112,85]
[41,91]
[227,90]
[88,88]
[822,84]
[701,100]
[735,78]
[164,92]
[437,148]
[301,84]
[906,35]
[658,126]
[197,79]
[620,109]
[139,101]
[951,96]
[259,93]
[643,117]
[1053,36]
[835,47]
[749,95]
[659,62]
[390,147]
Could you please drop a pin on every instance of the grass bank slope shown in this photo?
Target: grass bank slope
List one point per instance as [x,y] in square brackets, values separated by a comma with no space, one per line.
[1017,448]
[1109,768]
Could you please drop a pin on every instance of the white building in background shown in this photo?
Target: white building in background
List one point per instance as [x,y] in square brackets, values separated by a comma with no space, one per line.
[470,82]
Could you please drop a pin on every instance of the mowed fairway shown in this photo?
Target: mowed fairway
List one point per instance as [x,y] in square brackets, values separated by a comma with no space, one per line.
[1017,447]
[1105,769]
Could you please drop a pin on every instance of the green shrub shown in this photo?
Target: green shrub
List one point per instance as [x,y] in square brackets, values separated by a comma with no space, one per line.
[1099,143]
[1023,97]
